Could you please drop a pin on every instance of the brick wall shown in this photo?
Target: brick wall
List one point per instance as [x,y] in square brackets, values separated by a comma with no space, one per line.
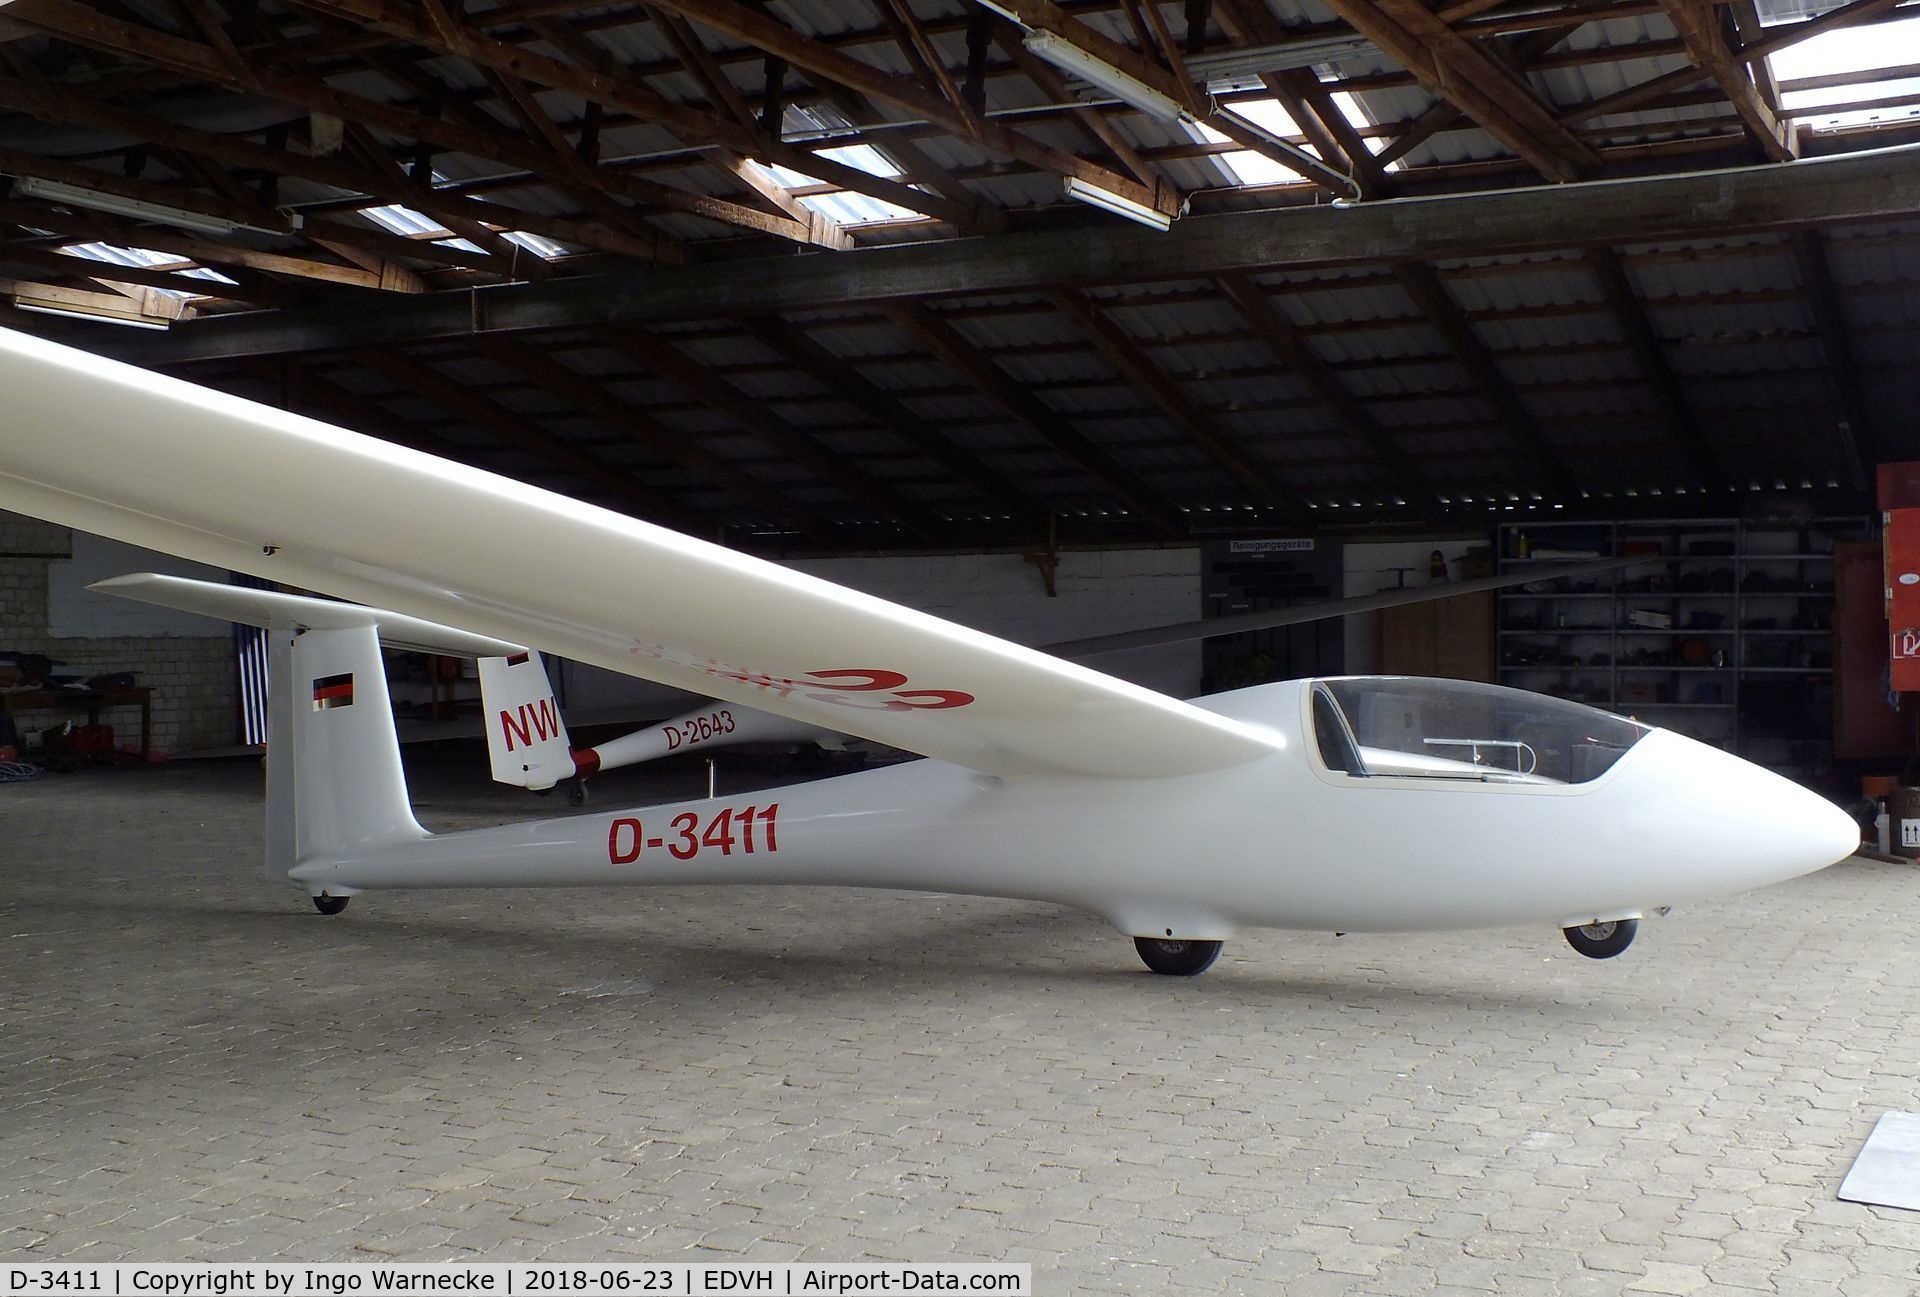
[194,691]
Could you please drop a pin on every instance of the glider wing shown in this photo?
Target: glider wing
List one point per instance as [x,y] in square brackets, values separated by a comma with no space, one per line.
[156,461]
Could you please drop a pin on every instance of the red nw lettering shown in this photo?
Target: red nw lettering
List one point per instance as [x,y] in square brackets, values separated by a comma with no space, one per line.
[539,720]
[546,718]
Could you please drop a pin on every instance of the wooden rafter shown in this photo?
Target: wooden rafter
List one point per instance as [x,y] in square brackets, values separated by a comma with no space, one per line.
[82,25]
[1859,444]
[1289,342]
[823,60]
[981,373]
[846,382]
[1174,84]
[568,384]
[1703,29]
[1851,188]
[1670,398]
[675,366]
[596,477]
[1443,314]
[1455,69]
[1091,121]
[93,226]
[615,87]
[1164,394]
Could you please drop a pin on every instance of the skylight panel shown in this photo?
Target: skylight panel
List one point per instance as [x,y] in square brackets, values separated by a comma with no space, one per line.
[409,224]
[1244,166]
[1357,117]
[146,259]
[841,206]
[1247,167]
[544,248]
[1848,57]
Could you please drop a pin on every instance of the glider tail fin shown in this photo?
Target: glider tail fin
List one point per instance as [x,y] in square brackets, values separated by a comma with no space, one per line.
[345,790]
[527,741]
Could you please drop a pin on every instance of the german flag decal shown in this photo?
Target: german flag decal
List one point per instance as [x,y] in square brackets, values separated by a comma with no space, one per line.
[333,691]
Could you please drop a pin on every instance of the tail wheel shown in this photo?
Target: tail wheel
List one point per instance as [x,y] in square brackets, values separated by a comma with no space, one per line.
[330,904]
[1603,940]
[1177,958]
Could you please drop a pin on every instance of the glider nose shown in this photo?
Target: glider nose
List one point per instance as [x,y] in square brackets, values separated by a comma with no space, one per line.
[1764,826]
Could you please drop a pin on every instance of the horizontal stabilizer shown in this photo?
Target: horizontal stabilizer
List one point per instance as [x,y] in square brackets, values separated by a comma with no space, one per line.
[251,607]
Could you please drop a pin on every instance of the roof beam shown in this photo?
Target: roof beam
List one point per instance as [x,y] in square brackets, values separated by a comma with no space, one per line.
[1300,92]
[1702,27]
[1134,365]
[1650,351]
[592,398]
[823,60]
[510,259]
[845,381]
[82,25]
[947,343]
[1454,68]
[94,226]
[675,366]
[1174,83]
[1091,121]
[418,377]
[1290,343]
[1436,304]
[238,151]
[60,264]
[1859,444]
[1858,187]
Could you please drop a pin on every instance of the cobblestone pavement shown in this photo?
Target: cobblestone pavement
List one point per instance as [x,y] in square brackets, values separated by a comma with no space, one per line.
[196,1066]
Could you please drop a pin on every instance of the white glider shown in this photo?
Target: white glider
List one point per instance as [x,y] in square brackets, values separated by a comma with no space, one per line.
[1351,805]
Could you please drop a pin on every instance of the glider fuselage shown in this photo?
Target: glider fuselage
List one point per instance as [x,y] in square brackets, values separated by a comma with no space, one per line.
[1279,842]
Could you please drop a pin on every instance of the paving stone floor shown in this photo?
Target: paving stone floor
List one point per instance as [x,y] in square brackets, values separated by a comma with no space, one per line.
[194,1065]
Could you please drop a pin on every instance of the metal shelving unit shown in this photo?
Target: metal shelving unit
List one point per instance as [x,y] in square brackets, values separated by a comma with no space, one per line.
[1743,661]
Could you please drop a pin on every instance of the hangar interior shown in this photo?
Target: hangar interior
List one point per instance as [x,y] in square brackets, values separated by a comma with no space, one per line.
[1058,320]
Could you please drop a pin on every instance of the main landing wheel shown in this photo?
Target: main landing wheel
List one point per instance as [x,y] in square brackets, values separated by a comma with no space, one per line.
[577,793]
[1603,940]
[330,904]
[1177,958]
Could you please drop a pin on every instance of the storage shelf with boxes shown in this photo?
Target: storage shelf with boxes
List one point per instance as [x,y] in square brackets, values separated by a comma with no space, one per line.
[1723,633]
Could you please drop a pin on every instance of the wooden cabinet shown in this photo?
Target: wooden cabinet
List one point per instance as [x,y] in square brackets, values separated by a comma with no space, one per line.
[1446,637]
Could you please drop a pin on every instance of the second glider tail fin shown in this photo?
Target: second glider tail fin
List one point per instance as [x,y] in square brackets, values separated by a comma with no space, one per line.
[527,741]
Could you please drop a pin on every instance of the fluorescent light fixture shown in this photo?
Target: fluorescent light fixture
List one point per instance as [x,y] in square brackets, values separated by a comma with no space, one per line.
[131,320]
[54,191]
[1107,200]
[1132,91]
[1240,64]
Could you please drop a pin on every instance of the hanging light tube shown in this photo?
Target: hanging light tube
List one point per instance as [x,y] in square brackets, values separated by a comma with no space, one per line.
[55,191]
[130,320]
[1129,90]
[1107,200]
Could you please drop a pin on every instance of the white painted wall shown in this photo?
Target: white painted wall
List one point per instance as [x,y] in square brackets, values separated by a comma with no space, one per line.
[1098,593]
